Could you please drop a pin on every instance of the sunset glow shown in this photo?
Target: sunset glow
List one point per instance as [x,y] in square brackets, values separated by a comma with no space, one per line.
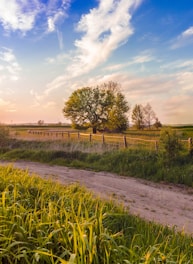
[49,48]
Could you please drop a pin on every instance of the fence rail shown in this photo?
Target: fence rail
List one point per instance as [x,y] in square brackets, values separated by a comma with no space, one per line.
[122,141]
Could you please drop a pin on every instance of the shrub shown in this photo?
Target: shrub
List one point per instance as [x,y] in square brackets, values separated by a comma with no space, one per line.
[4,136]
[171,144]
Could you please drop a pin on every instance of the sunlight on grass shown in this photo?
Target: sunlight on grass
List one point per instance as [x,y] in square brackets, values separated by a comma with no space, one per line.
[45,222]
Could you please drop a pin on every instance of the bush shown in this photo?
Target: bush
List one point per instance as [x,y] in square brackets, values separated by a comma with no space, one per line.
[171,145]
[4,136]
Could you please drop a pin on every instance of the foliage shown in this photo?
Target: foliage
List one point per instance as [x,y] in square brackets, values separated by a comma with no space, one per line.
[40,122]
[97,107]
[118,120]
[171,144]
[144,116]
[157,123]
[4,136]
[149,115]
[138,116]
[145,164]
[44,222]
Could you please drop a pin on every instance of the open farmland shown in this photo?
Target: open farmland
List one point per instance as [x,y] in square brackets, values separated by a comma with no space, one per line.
[133,139]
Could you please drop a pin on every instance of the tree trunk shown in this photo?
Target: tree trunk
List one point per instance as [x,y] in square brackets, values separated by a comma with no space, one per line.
[94,130]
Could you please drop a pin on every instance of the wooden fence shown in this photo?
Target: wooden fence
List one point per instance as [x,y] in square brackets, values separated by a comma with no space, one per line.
[121,141]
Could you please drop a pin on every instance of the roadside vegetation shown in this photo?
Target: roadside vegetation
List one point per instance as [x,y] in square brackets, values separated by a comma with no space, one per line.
[45,222]
[171,163]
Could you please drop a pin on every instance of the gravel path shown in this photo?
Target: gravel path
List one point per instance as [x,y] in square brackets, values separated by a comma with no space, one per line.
[166,204]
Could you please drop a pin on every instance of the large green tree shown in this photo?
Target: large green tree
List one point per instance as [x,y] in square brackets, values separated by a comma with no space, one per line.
[97,107]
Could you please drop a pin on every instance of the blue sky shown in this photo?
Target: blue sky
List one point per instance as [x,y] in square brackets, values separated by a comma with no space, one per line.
[49,48]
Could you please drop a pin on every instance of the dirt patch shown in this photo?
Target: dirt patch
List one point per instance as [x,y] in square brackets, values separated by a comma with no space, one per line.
[166,204]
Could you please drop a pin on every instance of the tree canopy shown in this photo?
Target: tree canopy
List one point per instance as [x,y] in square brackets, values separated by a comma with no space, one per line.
[144,116]
[138,116]
[98,107]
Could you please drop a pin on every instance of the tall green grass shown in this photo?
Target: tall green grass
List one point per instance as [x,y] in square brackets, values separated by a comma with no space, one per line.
[45,222]
[137,163]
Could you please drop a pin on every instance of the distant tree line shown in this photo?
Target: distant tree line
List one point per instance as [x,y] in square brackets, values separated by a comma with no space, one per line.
[105,108]
[144,117]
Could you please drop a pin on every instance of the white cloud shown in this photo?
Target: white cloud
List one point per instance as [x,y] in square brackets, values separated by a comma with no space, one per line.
[22,15]
[104,30]
[188,32]
[10,67]
[18,15]
[51,25]
[185,38]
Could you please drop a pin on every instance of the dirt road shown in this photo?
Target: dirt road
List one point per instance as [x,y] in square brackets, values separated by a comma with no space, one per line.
[166,204]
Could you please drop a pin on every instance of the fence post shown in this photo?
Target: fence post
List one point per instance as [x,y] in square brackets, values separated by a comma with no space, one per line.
[156,146]
[90,137]
[103,138]
[78,135]
[68,135]
[190,145]
[125,141]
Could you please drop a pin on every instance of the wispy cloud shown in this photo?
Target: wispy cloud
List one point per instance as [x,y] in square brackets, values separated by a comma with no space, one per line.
[56,12]
[178,108]
[50,104]
[143,57]
[8,106]
[185,38]
[61,58]
[23,16]
[9,64]
[104,29]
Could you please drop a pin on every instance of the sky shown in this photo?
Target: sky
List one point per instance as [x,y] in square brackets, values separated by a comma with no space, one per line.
[50,48]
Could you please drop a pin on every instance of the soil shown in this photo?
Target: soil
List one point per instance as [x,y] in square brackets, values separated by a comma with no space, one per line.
[162,203]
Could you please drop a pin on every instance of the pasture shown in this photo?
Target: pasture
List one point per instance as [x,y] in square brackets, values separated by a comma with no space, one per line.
[132,139]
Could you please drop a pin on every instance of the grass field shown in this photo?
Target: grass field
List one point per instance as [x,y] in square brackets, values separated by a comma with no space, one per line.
[137,162]
[133,139]
[44,222]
